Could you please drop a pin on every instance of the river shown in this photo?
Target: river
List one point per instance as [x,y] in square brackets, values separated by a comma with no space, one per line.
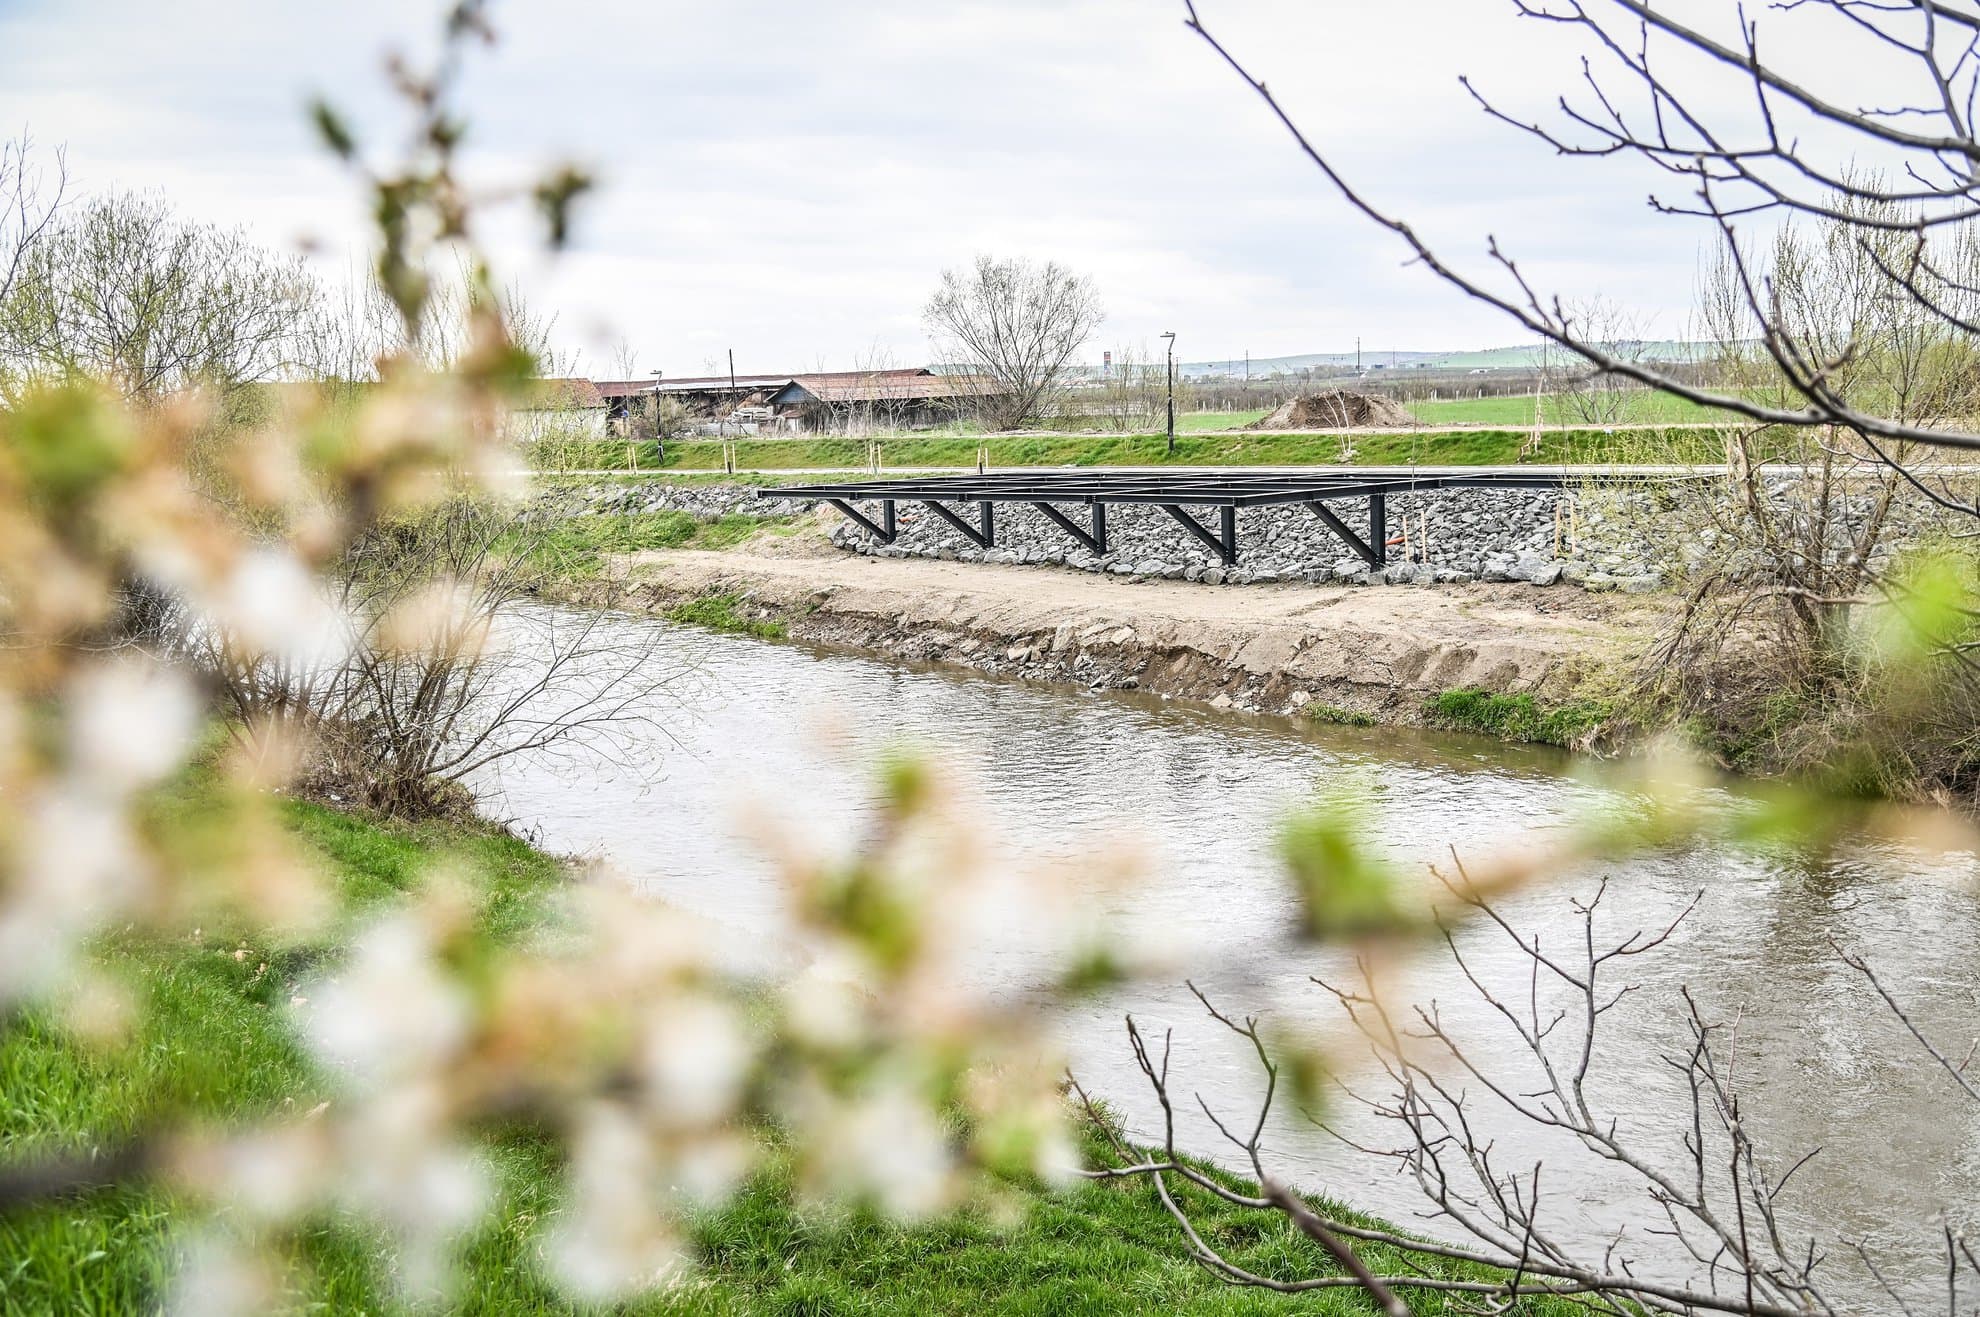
[1063,775]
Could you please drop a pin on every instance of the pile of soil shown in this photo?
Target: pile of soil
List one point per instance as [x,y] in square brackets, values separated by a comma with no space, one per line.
[1336,409]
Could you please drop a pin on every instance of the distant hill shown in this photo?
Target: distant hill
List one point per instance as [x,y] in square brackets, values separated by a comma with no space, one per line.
[1508,358]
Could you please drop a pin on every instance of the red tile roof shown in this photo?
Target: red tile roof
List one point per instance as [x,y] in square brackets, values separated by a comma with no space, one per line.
[751,383]
[888,386]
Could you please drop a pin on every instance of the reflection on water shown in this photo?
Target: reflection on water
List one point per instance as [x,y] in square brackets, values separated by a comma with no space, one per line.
[1061,774]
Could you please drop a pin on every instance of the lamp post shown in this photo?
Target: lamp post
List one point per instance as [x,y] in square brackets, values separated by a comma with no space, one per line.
[659,440]
[1171,336]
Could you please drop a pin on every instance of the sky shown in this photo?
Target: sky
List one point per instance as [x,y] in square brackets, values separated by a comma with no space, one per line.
[788,178]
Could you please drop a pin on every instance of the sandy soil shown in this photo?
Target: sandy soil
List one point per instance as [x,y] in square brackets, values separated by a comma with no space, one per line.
[1377,650]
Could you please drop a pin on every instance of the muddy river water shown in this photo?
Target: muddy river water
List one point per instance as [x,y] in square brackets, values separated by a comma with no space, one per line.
[1061,774]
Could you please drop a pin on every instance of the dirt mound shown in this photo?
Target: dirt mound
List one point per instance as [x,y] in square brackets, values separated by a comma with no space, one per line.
[1336,409]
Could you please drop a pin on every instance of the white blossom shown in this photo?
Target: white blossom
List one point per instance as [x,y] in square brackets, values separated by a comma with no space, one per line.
[391,1010]
[131,723]
[612,1240]
[695,1059]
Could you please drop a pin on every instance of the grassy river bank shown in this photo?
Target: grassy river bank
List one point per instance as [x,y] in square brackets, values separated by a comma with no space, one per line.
[219,1047]
[1469,447]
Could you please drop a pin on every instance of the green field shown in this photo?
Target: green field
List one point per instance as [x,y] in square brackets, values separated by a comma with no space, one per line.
[1636,408]
[1487,447]
[215,1046]
[1639,408]
[1203,422]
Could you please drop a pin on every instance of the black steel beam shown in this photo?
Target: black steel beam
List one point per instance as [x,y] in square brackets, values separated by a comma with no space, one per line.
[1378,527]
[983,539]
[1347,535]
[1225,545]
[885,531]
[1095,543]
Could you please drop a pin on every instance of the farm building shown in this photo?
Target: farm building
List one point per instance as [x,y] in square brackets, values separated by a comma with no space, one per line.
[901,399]
[559,409]
[822,400]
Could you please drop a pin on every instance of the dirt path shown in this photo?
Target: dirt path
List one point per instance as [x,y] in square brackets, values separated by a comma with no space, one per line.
[1378,651]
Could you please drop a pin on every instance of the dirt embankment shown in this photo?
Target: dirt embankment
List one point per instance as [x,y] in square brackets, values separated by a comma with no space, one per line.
[1336,409]
[1381,652]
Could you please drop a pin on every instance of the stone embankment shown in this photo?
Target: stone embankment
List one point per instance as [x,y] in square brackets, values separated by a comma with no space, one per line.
[1635,542]
[1439,538]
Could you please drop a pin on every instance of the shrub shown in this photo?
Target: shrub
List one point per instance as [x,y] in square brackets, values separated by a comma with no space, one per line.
[1517,717]
[720,612]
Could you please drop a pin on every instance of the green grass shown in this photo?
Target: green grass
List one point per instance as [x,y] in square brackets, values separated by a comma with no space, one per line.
[1334,716]
[216,1047]
[578,547]
[1516,717]
[1641,407]
[722,612]
[213,1046]
[1200,422]
[1493,447]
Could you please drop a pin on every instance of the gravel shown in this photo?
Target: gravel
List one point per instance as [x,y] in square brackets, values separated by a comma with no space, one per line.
[1624,541]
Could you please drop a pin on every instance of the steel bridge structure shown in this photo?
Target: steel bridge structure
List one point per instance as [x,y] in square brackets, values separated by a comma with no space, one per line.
[1218,495]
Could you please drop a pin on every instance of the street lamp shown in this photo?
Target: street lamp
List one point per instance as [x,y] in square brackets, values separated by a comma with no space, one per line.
[1171,336]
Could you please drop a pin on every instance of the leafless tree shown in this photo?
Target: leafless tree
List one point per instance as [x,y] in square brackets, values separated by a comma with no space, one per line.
[625,360]
[31,196]
[1134,394]
[1601,397]
[1848,299]
[123,289]
[1649,89]
[1016,325]
[356,323]
[444,667]
[1711,1237]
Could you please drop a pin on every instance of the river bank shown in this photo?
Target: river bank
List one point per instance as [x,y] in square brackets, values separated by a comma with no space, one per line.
[1335,652]
[219,1047]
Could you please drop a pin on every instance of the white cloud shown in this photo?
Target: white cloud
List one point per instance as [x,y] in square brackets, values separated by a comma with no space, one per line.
[788,178]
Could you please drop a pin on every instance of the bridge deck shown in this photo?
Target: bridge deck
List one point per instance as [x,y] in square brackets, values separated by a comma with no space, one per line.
[1173,492]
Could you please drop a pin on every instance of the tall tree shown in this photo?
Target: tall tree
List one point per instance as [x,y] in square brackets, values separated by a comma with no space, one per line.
[1016,325]
[125,290]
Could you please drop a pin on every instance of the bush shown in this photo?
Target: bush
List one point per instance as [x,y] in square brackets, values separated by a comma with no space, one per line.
[1518,717]
[719,612]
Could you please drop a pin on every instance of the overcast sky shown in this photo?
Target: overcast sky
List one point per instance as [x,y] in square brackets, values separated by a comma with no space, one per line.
[788,178]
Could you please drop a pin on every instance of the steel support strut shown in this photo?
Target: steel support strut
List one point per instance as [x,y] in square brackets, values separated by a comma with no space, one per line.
[984,538]
[885,531]
[1096,543]
[1225,545]
[1378,528]
[1371,556]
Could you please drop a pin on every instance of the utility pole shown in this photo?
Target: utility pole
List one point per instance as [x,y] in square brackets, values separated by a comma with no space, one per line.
[1171,336]
[722,425]
[1357,354]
